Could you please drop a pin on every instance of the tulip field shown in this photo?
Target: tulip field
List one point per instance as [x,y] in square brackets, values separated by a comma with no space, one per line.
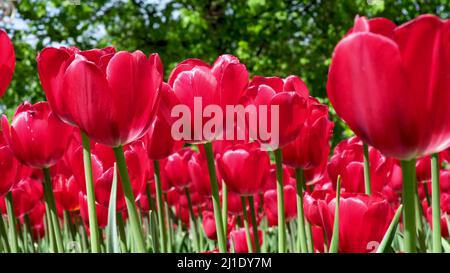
[120,158]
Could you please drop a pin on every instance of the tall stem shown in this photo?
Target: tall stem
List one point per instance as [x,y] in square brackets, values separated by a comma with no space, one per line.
[129,200]
[366,169]
[409,214]
[251,202]
[12,223]
[301,233]
[92,212]
[3,236]
[160,205]
[436,203]
[246,225]
[215,197]
[280,202]
[193,219]
[50,200]
[224,206]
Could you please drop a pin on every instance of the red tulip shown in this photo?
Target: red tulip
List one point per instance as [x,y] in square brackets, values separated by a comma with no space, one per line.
[26,195]
[290,205]
[198,171]
[160,142]
[66,192]
[102,212]
[8,168]
[445,214]
[290,95]
[36,217]
[357,212]
[112,97]
[222,84]
[7,61]
[244,168]
[176,168]
[36,136]
[390,84]
[311,148]
[209,224]
[239,240]
[347,161]
[271,179]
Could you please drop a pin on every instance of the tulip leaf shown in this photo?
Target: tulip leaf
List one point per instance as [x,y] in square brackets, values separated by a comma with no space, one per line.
[386,243]
[334,245]
[154,231]
[112,239]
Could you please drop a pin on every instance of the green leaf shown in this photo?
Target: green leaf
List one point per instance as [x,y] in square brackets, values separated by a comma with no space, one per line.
[445,245]
[390,233]
[334,245]
[154,231]
[112,239]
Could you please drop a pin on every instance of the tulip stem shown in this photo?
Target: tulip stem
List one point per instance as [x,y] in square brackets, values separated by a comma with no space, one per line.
[167,211]
[129,199]
[3,236]
[215,197]
[92,212]
[50,200]
[301,233]
[409,206]
[366,169]
[280,202]
[251,202]
[160,205]
[224,206]
[436,204]
[11,223]
[193,219]
[334,244]
[246,225]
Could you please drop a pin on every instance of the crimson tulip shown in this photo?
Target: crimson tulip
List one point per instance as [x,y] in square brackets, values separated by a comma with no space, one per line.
[26,194]
[271,209]
[66,191]
[291,97]
[8,168]
[311,148]
[239,240]
[36,136]
[209,224]
[7,61]
[113,95]
[244,168]
[176,168]
[382,74]
[348,163]
[221,84]
[102,212]
[198,171]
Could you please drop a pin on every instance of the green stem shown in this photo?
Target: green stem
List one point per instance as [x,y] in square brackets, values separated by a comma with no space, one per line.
[50,234]
[309,238]
[247,229]
[50,200]
[224,206]
[436,204]
[280,201]
[167,211]
[129,199]
[121,231]
[301,233]
[193,219]
[334,244]
[366,169]
[160,205]
[251,202]
[12,223]
[409,214]
[215,198]
[92,212]
[3,235]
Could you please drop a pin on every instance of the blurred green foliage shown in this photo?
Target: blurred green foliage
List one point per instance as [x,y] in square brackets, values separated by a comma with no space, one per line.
[272,37]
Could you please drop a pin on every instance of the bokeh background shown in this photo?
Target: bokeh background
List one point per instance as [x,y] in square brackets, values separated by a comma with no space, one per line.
[274,38]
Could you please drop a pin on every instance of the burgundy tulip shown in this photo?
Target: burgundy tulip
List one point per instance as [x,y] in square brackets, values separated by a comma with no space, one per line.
[112,97]
[390,84]
[36,136]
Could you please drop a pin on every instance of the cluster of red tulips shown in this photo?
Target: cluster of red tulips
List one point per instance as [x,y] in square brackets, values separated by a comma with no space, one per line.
[96,168]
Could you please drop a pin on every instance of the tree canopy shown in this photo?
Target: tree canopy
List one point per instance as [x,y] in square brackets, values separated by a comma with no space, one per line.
[274,38]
